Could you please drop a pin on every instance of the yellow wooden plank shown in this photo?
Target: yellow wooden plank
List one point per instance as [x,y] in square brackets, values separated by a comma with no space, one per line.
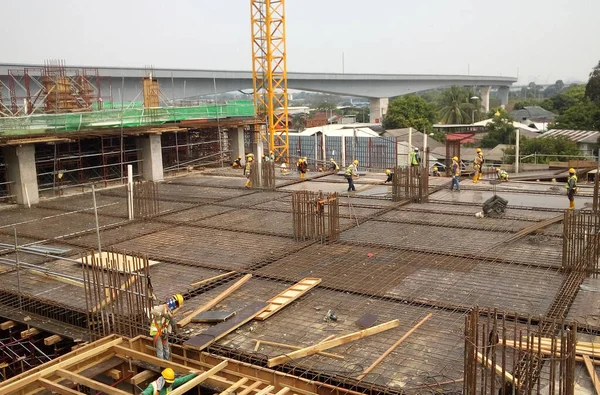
[198,379]
[592,372]
[286,297]
[57,388]
[487,362]
[79,379]
[142,376]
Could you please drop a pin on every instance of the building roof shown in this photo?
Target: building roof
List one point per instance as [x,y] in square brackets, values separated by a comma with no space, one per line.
[495,154]
[534,113]
[579,136]
[361,129]
[517,125]
[416,139]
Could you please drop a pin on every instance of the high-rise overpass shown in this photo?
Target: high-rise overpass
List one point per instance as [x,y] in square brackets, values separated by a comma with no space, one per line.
[125,83]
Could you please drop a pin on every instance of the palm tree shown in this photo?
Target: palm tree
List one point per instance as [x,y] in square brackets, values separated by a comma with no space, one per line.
[456,106]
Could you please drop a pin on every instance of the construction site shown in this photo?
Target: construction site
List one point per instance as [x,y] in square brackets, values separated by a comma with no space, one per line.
[290,284]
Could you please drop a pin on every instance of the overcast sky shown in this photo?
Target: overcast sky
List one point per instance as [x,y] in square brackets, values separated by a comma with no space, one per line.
[544,40]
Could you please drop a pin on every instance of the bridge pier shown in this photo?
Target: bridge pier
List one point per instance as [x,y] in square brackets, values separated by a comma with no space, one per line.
[484,92]
[20,165]
[152,162]
[236,142]
[379,108]
[503,95]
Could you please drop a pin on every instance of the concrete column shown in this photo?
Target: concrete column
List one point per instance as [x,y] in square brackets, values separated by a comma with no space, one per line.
[20,166]
[485,97]
[379,108]
[503,95]
[152,163]
[236,142]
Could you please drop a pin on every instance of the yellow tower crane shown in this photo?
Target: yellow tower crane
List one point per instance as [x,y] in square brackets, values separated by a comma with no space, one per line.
[269,72]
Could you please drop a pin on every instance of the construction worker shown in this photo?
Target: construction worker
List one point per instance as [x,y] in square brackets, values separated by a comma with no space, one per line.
[351,172]
[333,166]
[455,174]
[436,172]
[272,156]
[502,175]
[237,164]
[248,172]
[302,167]
[163,324]
[390,176]
[283,169]
[415,158]
[480,154]
[571,188]
[477,165]
[265,158]
[167,383]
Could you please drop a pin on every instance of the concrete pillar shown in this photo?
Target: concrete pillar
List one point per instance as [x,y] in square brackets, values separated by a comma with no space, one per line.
[379,108]
[485,97]
[503,95]
[152,163]
[20,166]
[236,142]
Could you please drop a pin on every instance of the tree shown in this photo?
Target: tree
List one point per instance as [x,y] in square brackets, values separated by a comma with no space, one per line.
[569,97]
[546,149]
[500,130]
[456,106]
[592,89]
[410,111]
[299,122]
[324,106]
[584,115]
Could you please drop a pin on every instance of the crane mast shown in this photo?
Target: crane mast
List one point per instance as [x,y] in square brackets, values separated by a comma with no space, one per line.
[269,72]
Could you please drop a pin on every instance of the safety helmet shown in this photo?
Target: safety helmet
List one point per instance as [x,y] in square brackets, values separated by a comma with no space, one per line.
[250,159]
[435,168]
[498,170]
[239,157]
[263,155]
[175,301]
[169,375]
[416,149]
[331,159]
[388,171]
[299,160]
[455,158]
[271,152]
[478,150]
[571,171]
[355,162]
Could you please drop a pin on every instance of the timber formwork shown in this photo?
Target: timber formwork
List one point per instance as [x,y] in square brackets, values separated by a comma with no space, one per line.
[394,260]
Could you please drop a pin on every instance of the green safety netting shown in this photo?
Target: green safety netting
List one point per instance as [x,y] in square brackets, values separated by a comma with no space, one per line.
[130,117]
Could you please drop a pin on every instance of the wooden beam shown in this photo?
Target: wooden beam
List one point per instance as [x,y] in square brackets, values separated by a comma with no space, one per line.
[283,391]
[393,347]
[58,388]
[50,340]
[193,383]
[7,325]
[90,383]
[286,297]
[487,362]
[186,320]
[30,332]
[250,388]
[235,386]
[592,372]
[211,279]
[332,343]
[266,390]
[142,376]
[289,346]
[114,374]
[133,354]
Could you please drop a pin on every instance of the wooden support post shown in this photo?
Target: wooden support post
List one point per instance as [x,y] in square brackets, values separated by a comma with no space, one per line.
[289,346]
[211,279]
[198,379]
[114,374]
[332,343]
[93,384]
[215,301]
[487,362]
[393,347]
[51,340]
[57,388]
[7,325]
[592,372]
[30,332]
[142,376]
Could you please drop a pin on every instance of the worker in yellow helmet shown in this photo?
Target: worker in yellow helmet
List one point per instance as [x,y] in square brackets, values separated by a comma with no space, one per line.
[248,171]
[571,188]
[481,159]
[272,156]
[350,174]
[390,176]
[436,172]
[163,324]
[333,166]
[477,166]
[237,164]
[167,383]
[455,168]
[302,167]
[502,175]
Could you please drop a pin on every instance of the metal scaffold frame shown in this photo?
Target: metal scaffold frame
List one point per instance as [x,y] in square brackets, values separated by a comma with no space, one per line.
[269,71]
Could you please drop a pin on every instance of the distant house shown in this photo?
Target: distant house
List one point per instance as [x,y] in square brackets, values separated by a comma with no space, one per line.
[586,140]
[416,138]
[534,116]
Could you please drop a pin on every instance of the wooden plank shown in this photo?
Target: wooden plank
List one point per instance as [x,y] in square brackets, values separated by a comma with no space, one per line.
[592,372]
[332,343]
[114,374]
[211,279]
[487,362]
[93,384]
[266,390]
[234,386]
[193,383]
[250,388]
[142,376]
[112,296]
[286,297]
[289,346]
[186,320]
[30,332]
[50,340]
[283,391]
[125,352]
[7,325]
[216,332]
[530,229]
[57,388]
[393,347]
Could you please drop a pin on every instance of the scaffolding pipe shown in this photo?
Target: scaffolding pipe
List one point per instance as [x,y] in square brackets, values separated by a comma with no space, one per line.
[97,223]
